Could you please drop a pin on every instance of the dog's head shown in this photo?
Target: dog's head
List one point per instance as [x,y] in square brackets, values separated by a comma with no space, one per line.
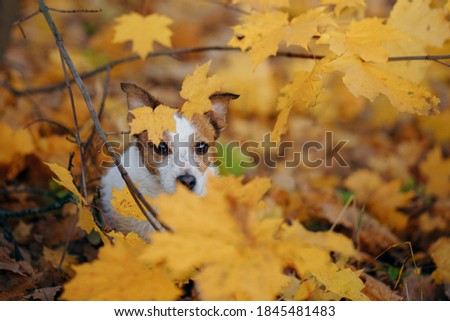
[182,156]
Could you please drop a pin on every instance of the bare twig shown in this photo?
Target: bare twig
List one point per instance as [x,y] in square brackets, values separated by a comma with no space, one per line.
[75,10]
[427,57]
[55,123]
[446,64]
[38,210]
[148,211]
[185,51]
[102,106]
[77,131]
[118,133]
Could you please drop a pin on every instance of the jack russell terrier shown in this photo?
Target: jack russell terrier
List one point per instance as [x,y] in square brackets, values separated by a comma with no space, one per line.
[180,157]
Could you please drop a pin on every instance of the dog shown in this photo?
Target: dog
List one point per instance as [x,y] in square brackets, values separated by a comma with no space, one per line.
[181,157]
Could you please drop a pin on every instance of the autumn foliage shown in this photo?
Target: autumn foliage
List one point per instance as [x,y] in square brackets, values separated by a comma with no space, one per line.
[375,226]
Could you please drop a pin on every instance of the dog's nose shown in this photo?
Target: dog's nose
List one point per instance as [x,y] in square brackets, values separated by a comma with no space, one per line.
[187,180]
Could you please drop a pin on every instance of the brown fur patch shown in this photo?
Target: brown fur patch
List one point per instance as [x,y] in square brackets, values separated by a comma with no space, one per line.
[204,132]
[151,159]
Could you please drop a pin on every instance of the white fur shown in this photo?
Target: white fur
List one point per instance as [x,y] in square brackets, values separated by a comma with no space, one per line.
[149,184]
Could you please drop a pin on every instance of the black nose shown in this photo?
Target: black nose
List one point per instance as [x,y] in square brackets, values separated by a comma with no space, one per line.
[187,180]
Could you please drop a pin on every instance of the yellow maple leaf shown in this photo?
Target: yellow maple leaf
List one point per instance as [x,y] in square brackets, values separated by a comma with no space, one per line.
[440,253]
[436,169]
[304,27]
[65,179]
[196,89]
[260,34]
[340,5]
[143,31]
[239,250]
[343,282]
[281,124]
[117,274]
[369,80]
[123,203]
[306,89]
[154,121]
[365,39]
[426,25]
[382,198]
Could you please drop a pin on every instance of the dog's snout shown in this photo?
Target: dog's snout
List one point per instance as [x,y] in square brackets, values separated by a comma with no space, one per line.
[187,180]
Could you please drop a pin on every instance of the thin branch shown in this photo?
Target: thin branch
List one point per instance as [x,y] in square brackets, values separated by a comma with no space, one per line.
[52,122]
[38,210]
[185,51]
[77,131]
[149,212]
[446,64]
[118,133]
[28,190]
[75,10]
[31,15]
[102,107]
[427,57]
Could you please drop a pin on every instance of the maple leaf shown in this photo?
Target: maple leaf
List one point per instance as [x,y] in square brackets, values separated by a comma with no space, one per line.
[154,121]
[436,169]
[239,249]
[343,282]
[106,278]
[426,25]
[306,88]
[382,198]
[340,5]
[260,34]
[365,39]
[369,80]
[304,27]
[122,201]
[143,31]
[65,179]
[196,89]
[281,124]
[440,253]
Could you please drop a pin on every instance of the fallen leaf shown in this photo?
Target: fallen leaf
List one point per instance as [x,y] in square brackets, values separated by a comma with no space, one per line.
[106,278]
[440,253]
[383,199]
[436,169]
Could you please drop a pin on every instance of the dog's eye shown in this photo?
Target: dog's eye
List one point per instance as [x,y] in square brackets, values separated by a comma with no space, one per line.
[161,149]
[201,148]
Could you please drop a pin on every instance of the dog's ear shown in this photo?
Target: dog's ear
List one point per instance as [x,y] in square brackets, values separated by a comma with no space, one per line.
[138,97]
[218,114]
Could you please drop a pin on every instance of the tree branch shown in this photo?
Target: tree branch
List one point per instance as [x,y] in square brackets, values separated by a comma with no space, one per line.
[38,210]
[148,211]
[185,51]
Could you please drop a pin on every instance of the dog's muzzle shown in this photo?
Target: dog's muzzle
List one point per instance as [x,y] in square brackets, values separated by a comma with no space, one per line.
[187,180]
